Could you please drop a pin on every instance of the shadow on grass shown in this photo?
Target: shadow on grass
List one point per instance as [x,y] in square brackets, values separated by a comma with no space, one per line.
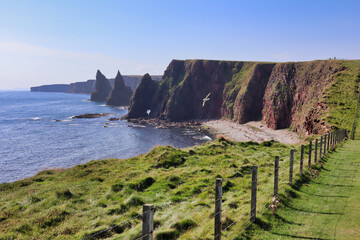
[333,185]
[308,211]
[262,224]
[286,221]
[300,237]
[318,195]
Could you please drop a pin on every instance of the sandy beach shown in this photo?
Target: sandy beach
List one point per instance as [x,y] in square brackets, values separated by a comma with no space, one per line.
[251,131]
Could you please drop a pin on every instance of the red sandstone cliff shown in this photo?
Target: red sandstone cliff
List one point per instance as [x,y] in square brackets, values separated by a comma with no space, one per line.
[281,94]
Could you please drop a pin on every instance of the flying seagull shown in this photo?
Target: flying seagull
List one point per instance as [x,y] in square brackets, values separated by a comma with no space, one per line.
[206,99]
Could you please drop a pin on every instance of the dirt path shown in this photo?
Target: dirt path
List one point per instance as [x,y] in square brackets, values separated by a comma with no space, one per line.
[251,131]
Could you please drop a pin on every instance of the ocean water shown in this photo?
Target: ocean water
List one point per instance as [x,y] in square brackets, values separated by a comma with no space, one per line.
[37,133]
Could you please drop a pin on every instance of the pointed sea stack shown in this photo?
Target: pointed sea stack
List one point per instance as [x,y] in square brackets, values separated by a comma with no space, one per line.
[103,88]
[142,99]
[120,94]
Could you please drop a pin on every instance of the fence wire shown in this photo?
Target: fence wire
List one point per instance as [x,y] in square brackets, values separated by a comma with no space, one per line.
[264,197]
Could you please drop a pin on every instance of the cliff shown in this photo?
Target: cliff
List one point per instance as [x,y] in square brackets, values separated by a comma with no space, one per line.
[88,87]
[120,94]
[282,95]
[82,87]
[103,88]
[51,88]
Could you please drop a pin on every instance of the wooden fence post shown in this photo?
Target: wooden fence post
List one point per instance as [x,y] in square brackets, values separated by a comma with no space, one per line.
[302,159]
[328,143]
[148,222]
[325,145]
[310,150]
[276,177]
[316,148]
[253,194]
[291,166]
[320,152]
[218,208]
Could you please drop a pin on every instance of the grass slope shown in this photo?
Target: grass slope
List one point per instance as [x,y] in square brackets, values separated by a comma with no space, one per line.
[325,208]
[341,96]
[77,202]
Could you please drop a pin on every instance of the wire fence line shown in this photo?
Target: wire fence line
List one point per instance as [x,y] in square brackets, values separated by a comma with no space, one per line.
[263,198]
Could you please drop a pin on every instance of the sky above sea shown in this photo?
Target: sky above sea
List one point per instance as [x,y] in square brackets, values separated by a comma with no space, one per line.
[47,42]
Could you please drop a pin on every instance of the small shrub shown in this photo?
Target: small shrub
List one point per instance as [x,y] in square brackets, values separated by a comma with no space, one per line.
[99,234]
[228,185]
[34,199]
[184,225]
[233,205]
[117,211]
[25,228]
[97,179]
[267,143]
[226,223]
[168,235]
[176,198]
[171,158]
[134,201]
[101,204]
[142,184]
[196,190]
[53,219]
[117,187]
[64,194]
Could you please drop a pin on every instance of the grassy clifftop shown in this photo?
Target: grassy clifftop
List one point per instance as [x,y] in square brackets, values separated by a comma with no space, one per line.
[73,203]
[341,96]
[310,97]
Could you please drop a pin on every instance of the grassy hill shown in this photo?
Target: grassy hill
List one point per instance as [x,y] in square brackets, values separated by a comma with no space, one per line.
[73,203]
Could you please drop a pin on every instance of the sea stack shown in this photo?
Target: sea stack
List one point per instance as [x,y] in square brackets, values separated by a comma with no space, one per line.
[141,100]
[103,88]
[120,94]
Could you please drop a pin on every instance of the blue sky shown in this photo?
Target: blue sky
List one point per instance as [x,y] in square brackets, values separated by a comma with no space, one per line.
[66,41]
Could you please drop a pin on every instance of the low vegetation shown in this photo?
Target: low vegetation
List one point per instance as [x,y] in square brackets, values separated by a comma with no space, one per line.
[86,199]
[320,206]
[341,97]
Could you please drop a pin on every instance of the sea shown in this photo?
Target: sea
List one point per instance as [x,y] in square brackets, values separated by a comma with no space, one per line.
[37,132]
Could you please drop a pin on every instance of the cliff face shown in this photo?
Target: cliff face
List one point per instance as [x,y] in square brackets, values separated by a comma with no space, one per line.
[120,94]
[103,88]
[293,92]
[51,88]
[82,87]
[88,87]
[280,94]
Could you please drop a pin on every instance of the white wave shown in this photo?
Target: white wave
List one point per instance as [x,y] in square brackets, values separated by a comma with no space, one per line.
[36,118]
[122,107]
[204,138]
[137,126]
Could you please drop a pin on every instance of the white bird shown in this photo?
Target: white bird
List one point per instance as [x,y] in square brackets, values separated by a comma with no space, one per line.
[206,99]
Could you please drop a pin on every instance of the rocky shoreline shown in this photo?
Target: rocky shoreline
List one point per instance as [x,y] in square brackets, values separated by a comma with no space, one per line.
[163,123]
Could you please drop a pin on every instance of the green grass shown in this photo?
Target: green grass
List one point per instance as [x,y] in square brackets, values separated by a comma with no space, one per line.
[341,96]
[324,207]
[86,199]
[83,200]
